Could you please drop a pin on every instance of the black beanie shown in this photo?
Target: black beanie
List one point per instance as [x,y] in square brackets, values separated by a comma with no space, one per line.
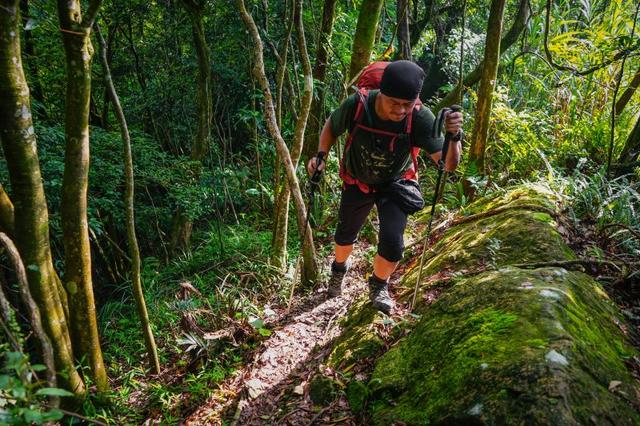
[402,80]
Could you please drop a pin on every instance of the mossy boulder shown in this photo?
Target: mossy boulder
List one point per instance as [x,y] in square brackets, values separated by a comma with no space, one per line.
[507,347]
[501,345]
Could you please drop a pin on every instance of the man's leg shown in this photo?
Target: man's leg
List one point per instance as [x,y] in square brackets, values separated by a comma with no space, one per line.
[382,268]
[342,252]
[354,208]
[390,247]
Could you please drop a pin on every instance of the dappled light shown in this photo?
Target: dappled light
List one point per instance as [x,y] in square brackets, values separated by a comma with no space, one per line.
[319,212]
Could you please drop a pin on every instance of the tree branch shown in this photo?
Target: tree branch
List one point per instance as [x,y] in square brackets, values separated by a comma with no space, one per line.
[91,14]
[34,312]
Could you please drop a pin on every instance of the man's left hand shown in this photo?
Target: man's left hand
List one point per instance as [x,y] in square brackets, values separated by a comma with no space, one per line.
[453,122]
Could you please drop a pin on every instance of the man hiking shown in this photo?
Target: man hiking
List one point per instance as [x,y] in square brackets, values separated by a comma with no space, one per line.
[386,128]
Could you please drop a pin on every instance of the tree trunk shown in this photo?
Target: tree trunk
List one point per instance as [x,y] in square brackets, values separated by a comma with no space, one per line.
[301,123]
[278,256]
[181,232]
[628,93]
[281,146]
[30,57]
[31,215]
[134,250]
[365,34]
[318,112]
[519,24]
[76,33]
[487,85]
[631,150]
[404,44]
[34,313]
[417,23]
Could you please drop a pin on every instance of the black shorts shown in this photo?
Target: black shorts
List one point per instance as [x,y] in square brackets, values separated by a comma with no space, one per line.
[355,205]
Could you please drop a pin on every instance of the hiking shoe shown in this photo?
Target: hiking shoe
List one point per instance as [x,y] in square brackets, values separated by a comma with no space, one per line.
[379,295]
[334,288]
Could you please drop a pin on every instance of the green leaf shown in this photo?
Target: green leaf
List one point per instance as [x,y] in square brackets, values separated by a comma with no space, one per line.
[257,323]
[53,392]
[264,332]
[39,367]
[53,415]
[33,268]
[33,416]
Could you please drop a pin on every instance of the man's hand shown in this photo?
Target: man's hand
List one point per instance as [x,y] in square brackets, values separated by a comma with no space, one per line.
[453,122]
[316,162]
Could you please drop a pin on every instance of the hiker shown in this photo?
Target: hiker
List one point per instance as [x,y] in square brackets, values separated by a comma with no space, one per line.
[386,128]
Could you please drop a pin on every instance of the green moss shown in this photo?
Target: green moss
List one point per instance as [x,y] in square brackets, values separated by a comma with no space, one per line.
[502,346]
[360,339]
[516,236]
[484,351]
[520,195]
[357,394]
[322,390]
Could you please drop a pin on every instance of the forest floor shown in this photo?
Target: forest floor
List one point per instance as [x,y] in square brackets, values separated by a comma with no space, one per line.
[274,387]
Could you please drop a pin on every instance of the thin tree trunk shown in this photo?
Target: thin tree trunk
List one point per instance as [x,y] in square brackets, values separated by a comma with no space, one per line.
[631,150]
[507,41]
[31,215]
[111,36]
[34,313]
[7,216]
[365,34]
[317,114]
[134,250]
[278,255]
[628,93]
[281,146]
[310,269]
[404,44]
[30,56]
[183,224]
[280,237]
[76,32]
[487,85]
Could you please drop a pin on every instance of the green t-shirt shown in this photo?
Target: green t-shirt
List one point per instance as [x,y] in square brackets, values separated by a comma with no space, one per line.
[369,157]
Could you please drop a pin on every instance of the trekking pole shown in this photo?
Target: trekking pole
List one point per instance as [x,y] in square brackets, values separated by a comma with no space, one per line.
[314,183]
[445,149]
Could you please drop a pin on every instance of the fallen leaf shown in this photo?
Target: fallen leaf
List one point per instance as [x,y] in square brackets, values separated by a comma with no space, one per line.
[614,384]
[255,387]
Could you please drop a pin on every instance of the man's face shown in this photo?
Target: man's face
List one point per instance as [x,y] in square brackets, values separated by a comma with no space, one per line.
[394,109]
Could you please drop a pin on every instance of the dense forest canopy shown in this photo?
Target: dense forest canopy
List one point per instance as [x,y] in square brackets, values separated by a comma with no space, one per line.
[156,150]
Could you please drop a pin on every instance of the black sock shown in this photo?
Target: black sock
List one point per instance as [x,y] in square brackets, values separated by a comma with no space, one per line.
[376,280]
[339,266]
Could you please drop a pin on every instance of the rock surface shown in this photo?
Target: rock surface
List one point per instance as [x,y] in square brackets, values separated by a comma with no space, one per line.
[500,345]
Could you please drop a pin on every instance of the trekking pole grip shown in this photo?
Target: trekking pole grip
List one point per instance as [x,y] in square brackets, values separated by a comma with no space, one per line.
[317,173]
[448,137]
[458,136]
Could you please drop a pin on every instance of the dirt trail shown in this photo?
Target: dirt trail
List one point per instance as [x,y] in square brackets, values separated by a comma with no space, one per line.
[286,361]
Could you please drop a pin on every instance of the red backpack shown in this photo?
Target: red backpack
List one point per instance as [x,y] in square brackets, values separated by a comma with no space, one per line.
[370,80]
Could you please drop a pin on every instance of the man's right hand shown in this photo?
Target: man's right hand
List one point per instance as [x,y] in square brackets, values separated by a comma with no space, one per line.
[316,162]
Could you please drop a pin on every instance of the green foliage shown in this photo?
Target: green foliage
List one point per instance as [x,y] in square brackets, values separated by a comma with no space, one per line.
[22,399]
[595,199]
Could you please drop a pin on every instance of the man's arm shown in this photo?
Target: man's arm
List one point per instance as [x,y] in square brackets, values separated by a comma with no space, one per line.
[453,125]
[327,140]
